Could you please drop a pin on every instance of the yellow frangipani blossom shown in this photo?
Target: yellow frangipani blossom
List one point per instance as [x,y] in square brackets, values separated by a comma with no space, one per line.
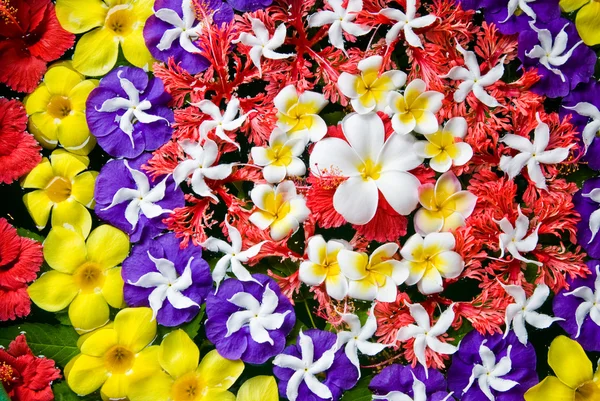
[298,113]
[443,149]
[587,19]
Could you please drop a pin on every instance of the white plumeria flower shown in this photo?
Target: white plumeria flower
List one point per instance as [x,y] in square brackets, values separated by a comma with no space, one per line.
[551,52]
[221,122]
[472,79]
[419,393]
[523,6]
[281,158]
[298,113]
[426,336]
[489,373]
[415,109]
[233,257]
[590,305]
[593,126]
[258,316]
[135,110]
[322,266]
[183,28]
[341,20]
[515,239]
[369,90]
[594,223]
[201,166]
[281,209]
[306,369]
[262,45]
[357,339]
[406,22]
[142,199]
[166,285]
[532,154]
[372,165]
[442,148]
[524,310]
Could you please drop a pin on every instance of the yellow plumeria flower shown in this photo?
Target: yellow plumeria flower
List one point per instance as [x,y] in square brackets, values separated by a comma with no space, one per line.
[299,113]
[112,22]
[575,379]
[56,110]
[370,89]
[182,378]
[259,388]
[281,158]
[86,275]
[443,149]
[587,19]
[61,186]
[111,357]
[415,109]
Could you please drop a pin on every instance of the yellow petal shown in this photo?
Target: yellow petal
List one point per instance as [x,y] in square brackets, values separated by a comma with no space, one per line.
[79,94]
[87,374]
[178,354]
[572,5]
[135,328]
[68,165]
[69,365]
[84,336]
[38,101]
[96,52]
[88,311]
[146,365]
[40,176]
[135,50]
[108,246]
[587,21]
[79,16]
[74,134]
[218,372]
[151,388]
[38,205]
[115,387]
[64,249]
[569,362]
[83,188]
[446,186]
[113,288]
[98,342]
[53,291]
[73,216]
[550,389]
[44,128]
[259,388]
[60,80]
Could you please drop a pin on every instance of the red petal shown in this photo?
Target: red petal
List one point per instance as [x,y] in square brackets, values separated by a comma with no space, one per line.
[18,68]
[53,41]
[14,304]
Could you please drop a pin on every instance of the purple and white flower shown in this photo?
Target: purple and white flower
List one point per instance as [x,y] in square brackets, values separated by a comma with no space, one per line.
[405,383]
[587,203]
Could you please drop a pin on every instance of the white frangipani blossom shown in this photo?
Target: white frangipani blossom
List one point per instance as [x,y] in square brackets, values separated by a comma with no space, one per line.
[524,310]
[593,126]
[594,223]
[221,122]
[514,240]
[590,305]
[523,6]
[341,20]
[183,28]
[201,166]
[406,22]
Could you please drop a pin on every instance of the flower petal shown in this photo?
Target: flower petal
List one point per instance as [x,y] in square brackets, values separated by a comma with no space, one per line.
[356,200]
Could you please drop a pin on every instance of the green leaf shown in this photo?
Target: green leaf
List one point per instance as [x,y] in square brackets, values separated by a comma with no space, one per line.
[62,392]
[63,318]
[360,392]
[29,234]
[3,395]
[192,327]
[54,342]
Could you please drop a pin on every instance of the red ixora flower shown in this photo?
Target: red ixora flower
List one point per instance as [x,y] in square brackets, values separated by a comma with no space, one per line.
[30,37]
[26,377]
[19,151]
[20,260]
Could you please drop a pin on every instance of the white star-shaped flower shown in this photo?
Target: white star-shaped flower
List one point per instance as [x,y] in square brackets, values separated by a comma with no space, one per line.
[406,22]
[591,302]
[523,6]
[593,126]
[183,28]
[341,20]
[489,373]
[221,122]
[514,240]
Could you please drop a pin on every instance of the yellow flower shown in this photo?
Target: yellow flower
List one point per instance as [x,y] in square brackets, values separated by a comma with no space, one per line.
[443,149]
[111,357]
[298,113]
[56,110]
[587,19]
[85,276]
[259,388]
[112,22]
[182,378]
[415,109]
[61,186]
[575,379]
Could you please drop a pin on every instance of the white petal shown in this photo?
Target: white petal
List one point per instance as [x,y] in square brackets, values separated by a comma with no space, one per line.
[356,200]
[355,127]
[334,154]
[400,190]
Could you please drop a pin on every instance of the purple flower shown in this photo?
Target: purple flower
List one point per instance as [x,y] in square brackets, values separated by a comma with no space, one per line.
[413,382]
[587,203]
[173,282]
[127,198]
[313,369]
[249,320]
[492,367]
[173,29]
[139,105]
[556,50]
[513,16]
[249,5]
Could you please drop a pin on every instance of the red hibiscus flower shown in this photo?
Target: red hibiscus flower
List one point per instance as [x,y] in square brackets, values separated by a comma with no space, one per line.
[30,37]
[19,151]
[26,377]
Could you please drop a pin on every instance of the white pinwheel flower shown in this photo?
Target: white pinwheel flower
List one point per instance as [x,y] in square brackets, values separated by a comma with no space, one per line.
[167,285]
[201,166]
[551,52]
[418,389]
[298,113]
[281,158]
[233,257]
[341,20]
[515,239]
[472,79]
[406,22]
[263,45]
[221,122]
[524,310]
[426,336]
[372,165]
[531,154]
[522,6]
[183,28]
[415,109]
[489,373]
[258,316]
[306,369]
[594,223]
[590,305]
[442,148]
[593,126]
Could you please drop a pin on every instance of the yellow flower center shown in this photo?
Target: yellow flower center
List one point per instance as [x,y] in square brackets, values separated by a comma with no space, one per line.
[370,170]
[120,20]
[280,155]
[187,388]
[59,106]
[6,373]
[588,391]
[89,277]
[119,359]
[59,189]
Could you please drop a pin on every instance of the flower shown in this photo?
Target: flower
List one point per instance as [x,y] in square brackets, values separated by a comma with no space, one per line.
[585,21]
[173,282]
[61,186]
[370,89]
[430,259]
[19,151]
[372,165]
[249,320]
[415,109]
[396,381]
[30,37]
[259,388]
[443,149]
[280,208]
[322,266]
[406,22]
[313,369]
[249,5]
[445,206]
[515,239]
[341,21]
[127,199]
[586,118]
[226,121]
[492,367]
[588,207]
[111,357]
[574,378]
[56,110]
[110,24]
[298,113]
[138,103]
[514,16]
[174,27]
[281,158]
[180,375]
[85,275]
[25,376]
